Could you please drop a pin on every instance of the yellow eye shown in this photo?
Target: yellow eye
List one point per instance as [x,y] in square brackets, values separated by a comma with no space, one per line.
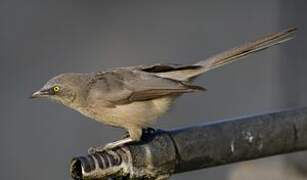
[56,88]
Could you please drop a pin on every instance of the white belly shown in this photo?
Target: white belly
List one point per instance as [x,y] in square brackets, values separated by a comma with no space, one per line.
[138,114]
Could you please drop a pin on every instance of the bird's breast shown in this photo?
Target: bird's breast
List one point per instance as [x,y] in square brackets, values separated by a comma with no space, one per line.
[138,113]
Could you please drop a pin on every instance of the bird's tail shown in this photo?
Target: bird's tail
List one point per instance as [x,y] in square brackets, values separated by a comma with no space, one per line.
[231,55]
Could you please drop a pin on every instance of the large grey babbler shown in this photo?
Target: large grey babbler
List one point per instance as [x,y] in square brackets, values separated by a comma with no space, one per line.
[134,97]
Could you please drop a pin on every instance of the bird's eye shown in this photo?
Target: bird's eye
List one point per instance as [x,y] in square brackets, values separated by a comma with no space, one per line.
[56,88]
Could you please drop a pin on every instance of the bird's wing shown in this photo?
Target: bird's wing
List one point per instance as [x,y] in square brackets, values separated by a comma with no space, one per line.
[122,86]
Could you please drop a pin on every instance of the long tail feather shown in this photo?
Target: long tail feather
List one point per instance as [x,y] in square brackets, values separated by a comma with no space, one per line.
[246,49]
[230,56]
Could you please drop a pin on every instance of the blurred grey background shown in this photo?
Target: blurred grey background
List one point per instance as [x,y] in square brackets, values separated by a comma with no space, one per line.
[40,39]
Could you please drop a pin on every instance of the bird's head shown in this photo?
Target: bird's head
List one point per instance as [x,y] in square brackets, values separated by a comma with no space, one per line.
[65,88]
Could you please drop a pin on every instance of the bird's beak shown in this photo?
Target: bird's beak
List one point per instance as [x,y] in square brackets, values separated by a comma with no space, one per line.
[40,93]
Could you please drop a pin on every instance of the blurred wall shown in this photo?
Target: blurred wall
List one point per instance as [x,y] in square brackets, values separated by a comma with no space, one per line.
[40,39]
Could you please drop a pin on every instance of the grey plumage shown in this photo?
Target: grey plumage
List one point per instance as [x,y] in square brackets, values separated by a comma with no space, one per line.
[134,97]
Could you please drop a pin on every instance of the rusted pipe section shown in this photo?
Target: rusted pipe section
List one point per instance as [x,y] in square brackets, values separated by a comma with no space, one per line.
[168,152]
[151,159]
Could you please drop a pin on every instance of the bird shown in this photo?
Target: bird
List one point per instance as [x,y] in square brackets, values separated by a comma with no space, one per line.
[134,97]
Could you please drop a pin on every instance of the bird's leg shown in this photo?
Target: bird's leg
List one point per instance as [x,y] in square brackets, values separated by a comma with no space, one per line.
[135,135]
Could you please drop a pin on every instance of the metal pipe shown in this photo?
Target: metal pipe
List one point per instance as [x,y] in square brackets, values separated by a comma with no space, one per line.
[169,152]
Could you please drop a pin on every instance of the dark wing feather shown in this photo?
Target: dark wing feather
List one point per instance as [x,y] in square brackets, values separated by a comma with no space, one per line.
[160,68]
